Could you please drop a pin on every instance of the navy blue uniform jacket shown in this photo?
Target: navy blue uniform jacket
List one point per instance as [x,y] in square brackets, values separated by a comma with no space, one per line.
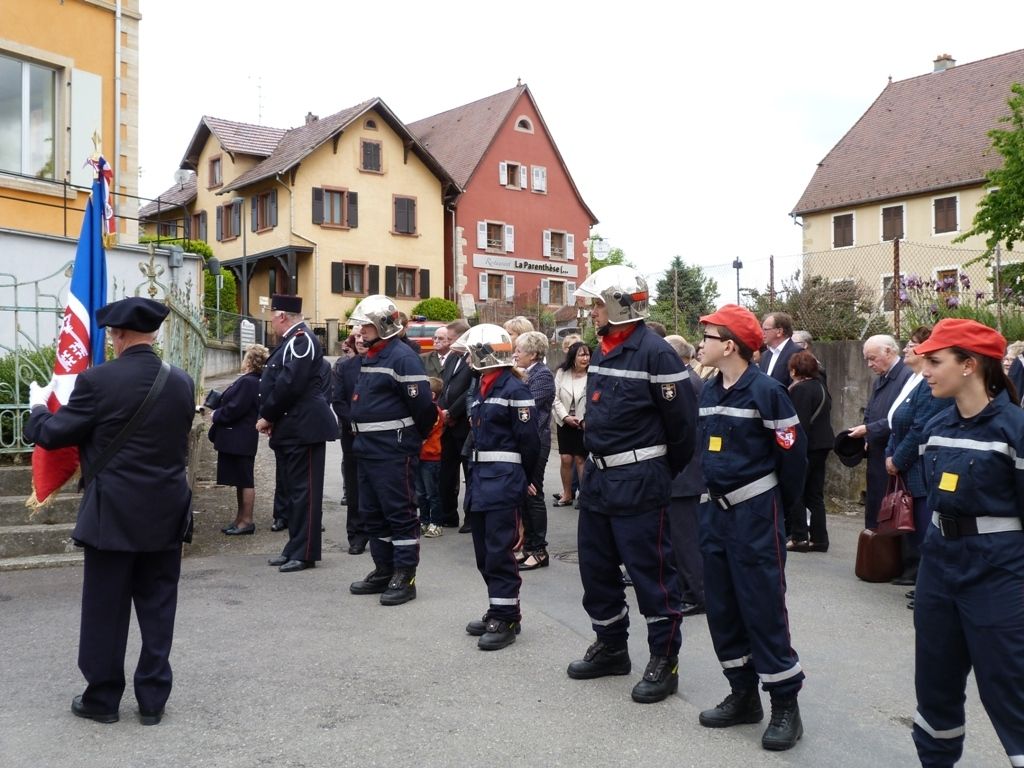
[235,417]
[391,388]
[504,420]
[690,482]
[140,501]
[292,392]
[638,396]
[344,378]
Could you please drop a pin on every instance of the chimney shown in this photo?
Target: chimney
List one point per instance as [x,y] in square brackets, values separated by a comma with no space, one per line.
[943,62]
[311,118]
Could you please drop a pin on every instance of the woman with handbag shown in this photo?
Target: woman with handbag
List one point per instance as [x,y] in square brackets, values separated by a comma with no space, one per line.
[233,433]
[970,586]
[813,406]
[914,407]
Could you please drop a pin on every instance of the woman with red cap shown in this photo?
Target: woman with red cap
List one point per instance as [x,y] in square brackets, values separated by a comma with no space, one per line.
[969,608]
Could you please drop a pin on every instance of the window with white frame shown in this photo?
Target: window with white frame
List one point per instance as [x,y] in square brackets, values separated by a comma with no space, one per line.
[512,175]
[558,245]
[495,236]
[842,230]
[945,215]
[28,118]
[557,292]
[495,286]
[540,178]
[524,124]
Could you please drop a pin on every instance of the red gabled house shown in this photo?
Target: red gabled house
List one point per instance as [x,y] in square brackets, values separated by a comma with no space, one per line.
[518,233]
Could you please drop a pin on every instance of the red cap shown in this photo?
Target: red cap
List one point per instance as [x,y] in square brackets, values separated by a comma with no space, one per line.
[966,334]
[743,324]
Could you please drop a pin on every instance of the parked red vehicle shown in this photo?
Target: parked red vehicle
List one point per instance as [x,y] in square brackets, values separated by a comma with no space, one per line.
[422,330]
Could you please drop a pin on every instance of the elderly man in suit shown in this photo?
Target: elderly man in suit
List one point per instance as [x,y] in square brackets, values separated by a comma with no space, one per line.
[882,355]
[136,505]
[777,330]
[433,362]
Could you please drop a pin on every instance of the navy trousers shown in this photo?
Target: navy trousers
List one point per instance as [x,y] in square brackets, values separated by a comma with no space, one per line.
[969,612]
[682,519]
[535,509]
[387,505]
[745,594]
[280,488]
[354,526]
[642,543]
[494,536]
[304,477]
[111,583]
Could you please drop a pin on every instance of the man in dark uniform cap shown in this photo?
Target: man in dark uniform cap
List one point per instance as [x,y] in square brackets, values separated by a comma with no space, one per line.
[135,508]
[296,415]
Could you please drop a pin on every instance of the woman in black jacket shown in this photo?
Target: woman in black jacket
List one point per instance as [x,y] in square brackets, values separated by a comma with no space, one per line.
[814,408]
[234,435]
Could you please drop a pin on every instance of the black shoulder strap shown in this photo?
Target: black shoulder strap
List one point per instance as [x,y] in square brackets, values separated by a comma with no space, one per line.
[115,445]
[821,405]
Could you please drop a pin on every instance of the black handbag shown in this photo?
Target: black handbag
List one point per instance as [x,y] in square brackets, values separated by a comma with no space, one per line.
[212,400]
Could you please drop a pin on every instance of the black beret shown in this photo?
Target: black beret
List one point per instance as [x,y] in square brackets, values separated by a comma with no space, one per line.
[283,303]
[850,450]
[135,314]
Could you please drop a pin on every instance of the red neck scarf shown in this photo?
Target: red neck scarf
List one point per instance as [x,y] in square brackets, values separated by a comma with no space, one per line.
[487,379]
[613,338]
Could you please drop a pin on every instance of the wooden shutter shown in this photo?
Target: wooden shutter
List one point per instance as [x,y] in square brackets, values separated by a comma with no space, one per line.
[337,277]
[374,272]
[318,205]
[202,226]
[254,213]
[510,287]
[273,207]
[481,235]
[424,284]
[570,246]
[186,225]
[353,210]
[411,212]
[483,286]
[503,174]
[524,173]
[540,178]
[945,214]
[545,291]
[570,293]
[510,238]
[390,280]
[220,222]
[547,243]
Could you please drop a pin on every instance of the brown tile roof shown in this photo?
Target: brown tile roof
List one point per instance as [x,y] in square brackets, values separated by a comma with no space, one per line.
[922,134]
[234,137]
[460,137]
[172,198]
[298,143]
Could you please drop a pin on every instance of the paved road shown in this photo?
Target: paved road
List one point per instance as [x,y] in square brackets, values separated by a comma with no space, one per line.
[291,670]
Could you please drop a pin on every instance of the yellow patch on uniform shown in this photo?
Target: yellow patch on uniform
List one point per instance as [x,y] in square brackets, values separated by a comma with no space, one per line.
[715,444]
[948,482]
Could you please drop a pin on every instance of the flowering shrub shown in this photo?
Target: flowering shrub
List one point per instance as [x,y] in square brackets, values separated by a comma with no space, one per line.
[926,301]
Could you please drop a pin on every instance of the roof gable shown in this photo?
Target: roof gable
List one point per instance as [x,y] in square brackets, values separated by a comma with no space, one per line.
[176,197]
[234,137]
[922,134]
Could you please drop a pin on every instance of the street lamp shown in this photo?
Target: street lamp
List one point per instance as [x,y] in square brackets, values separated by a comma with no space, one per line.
[239,201]
[737,265]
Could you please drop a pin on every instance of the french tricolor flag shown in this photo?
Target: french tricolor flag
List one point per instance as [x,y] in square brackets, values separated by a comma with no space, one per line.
[80,341]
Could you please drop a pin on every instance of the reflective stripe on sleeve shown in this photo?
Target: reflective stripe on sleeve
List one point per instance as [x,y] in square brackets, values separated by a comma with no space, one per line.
[381,426]
[393,374]
[510,403]
[724,410]
[793,671]
[792,421]
[608,622]
[654,378]
[949,733]
[507,456]
[992,446]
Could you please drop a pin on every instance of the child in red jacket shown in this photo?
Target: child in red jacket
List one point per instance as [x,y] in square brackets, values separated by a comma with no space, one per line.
[429,475]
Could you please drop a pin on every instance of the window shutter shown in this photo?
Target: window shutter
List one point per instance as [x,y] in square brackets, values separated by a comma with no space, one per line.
[424,283]
[570,293]
[220,222]
[483,286]
[570,247]
[374,272]
[524,173]
[545,291]
[510,238]
[337,277]
[236,219]
[547,243]
[510,287]
[353,210]
[412,216]
[318,205]
[254,213]
[390,280]
[273,207]
[186,223]
[503,174]
[537,184]
[202,227]
[481,235]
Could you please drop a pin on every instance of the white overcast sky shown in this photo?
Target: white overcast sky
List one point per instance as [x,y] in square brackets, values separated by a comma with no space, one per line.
[690,129]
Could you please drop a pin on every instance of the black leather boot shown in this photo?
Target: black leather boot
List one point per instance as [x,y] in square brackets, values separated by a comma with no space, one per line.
[498,634]
[660,680]
[601,660]
[401,588]
[376,581]
[737,708]
[785,728]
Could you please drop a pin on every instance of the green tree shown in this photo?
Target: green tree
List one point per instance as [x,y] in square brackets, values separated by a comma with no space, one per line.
[1000,213]
[684,294]
[436,308]
[615,256]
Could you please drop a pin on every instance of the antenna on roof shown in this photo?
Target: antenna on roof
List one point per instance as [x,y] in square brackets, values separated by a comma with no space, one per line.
[519,82]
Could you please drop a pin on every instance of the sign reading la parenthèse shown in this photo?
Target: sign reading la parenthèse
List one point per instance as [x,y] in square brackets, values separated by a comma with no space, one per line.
[512,264]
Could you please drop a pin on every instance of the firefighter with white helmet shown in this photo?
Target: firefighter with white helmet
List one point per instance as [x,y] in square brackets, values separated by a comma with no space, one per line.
[640,431]
[505,450]
[392,411]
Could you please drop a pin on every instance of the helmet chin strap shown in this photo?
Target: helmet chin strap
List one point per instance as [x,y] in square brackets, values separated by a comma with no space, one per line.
[604,330]
[371,344]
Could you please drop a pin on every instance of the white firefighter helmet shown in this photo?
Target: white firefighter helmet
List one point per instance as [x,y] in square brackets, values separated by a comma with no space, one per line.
[380,312]
[623,291]
[489,346]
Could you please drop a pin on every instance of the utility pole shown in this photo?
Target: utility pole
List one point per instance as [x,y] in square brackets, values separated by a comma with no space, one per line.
[675,296]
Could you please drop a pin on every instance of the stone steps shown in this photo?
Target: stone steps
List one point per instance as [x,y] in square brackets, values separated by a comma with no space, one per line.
[33,539]
[40,541]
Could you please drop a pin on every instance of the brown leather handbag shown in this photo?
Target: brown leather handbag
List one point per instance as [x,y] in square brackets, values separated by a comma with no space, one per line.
[878,557]
[896,514]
